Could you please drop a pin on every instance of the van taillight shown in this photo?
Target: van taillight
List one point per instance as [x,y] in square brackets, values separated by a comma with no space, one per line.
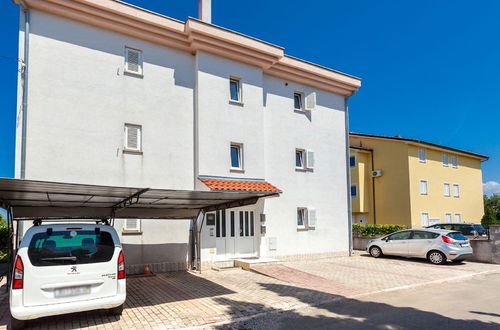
[121,266]
[17,277]
[448,240]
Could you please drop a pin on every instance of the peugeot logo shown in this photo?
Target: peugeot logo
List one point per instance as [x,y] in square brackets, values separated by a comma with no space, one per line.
[73,269]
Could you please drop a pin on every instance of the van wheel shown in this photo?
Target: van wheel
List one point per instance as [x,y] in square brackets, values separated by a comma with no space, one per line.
[16,324]
[118,310]
[376,252]
[436,257]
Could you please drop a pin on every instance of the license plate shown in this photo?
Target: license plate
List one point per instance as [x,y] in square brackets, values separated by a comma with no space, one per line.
[72,291]
[465,244]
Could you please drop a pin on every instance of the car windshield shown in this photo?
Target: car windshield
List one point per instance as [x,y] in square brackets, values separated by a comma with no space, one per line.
[70,247]
[457,236]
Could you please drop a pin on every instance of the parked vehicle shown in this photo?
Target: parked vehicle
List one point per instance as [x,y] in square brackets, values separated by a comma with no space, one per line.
[435,245]
[467,229]
[67,268]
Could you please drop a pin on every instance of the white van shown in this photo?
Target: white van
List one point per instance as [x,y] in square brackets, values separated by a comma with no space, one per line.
[67,268]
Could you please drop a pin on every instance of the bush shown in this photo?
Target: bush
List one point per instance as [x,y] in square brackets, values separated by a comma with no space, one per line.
[367,230]
[4,240]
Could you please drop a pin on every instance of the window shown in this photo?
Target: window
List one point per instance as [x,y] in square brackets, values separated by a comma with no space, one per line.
[456,190]
[301,217]
[458,218]
[424,235]
[352,161]
[297,101]
[446,189]
[445,160]
[300,158]
[447,217]
[220,223]
[133,137]
[425,219]
[236,156]
[235,89]
[133,61]
[454,161]
[421,155]
[132,225]
[400,236]
[354,191]
[423,187]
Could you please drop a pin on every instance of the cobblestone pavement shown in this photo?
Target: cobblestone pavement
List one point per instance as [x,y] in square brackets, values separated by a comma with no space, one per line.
[179,300]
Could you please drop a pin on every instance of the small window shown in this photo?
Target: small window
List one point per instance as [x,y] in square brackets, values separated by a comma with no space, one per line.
[400,236]
[454,161]
[447,217]
[300,158]
[133,137]
[423,187]
[458,218]
[133,61]
[352,161]
[354,191]
[446,189]
[425,219]
[235,89]
[132,225]
[445,160]
[302,217]
[421,155]
[456,190]
[424,235]
[236,156]
[298,101]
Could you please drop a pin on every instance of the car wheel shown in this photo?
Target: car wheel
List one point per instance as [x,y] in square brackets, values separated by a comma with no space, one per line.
[118,310]
[436,257]
[376,252]
[16,324]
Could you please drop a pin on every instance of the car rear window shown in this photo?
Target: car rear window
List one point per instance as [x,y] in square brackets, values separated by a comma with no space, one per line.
[457,236]
[70,247]
[480,229]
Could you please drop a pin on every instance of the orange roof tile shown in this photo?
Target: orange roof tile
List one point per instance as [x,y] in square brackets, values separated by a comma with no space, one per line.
[239,185]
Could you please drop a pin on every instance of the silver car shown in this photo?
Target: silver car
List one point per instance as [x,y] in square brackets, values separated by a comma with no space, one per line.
[435,245]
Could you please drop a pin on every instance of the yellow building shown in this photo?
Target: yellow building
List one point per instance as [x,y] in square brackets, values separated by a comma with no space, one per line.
[395,180]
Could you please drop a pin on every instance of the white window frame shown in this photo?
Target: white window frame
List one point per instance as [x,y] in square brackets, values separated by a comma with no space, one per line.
[304,160]
[240,92]
[240,156]
[302,100]
[446,159]
[446,189]
[126,147]
[137,228]
[140,61]
[426,185]
[422,157]
[426,215]
[355,161]
[459,218]
[456,190]
[354,185]
[304,217]
[448,218]
[454,161]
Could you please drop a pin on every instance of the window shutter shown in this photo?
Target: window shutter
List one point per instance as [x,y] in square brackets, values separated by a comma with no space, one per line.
[132,224]
[311,217]
[133,137]
[133,61]
[310,159]
[311,101]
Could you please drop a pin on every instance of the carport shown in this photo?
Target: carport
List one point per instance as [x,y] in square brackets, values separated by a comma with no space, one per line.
[28,200]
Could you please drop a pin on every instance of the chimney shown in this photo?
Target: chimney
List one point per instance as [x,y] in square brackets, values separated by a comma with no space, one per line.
[205,10]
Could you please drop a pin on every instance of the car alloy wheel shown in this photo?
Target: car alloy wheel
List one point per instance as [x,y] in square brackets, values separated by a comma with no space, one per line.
[437,258]
[375,252]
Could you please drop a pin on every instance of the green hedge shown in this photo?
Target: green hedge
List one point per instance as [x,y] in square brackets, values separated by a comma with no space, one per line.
[367,230]
[4,240]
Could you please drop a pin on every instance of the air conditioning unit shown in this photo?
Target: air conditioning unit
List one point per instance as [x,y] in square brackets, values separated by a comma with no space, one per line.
[376,173]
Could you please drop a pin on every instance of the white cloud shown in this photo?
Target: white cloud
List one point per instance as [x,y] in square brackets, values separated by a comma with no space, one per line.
[491,188]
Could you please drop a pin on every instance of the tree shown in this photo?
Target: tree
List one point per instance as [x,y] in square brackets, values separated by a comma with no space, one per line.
[491,211]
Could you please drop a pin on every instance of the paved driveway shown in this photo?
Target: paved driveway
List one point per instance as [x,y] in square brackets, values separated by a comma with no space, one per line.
[178,300]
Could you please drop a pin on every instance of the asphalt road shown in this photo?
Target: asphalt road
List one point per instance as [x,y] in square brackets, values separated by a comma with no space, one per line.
[469,304]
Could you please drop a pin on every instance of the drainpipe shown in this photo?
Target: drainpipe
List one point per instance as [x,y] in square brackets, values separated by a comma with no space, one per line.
[348,174]
[373,191]
[26,11]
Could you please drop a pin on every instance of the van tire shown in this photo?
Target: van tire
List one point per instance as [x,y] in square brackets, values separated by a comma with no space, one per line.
[118,310]
[16,324]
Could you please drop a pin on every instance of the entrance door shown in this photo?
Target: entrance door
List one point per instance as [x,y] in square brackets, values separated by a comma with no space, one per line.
[235,234]
[246,234]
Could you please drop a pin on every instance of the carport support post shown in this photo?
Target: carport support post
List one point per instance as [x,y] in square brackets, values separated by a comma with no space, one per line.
[199,222]
[10,228]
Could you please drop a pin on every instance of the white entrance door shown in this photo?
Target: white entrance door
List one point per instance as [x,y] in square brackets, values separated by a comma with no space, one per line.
[245,244]
[235,234]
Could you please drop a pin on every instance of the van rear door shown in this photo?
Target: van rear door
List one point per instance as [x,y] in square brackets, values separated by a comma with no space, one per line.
[68,263]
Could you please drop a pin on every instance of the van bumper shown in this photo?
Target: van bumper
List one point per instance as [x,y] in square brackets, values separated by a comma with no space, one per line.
[21,312]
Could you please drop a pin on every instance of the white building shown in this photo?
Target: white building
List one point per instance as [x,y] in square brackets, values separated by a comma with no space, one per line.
[118,95]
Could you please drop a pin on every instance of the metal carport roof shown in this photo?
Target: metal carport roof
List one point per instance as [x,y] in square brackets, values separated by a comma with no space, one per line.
[54,200]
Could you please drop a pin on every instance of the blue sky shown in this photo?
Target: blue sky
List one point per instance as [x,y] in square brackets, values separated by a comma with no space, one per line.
[430,69]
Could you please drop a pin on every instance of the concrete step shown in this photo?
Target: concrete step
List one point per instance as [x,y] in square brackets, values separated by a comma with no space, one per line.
[248,263]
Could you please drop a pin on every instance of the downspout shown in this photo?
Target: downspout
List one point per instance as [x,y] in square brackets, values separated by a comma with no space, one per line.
[373,191]
[348,174]
[26,11]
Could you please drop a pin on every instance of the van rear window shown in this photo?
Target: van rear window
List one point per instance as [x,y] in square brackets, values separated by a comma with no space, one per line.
[70,247]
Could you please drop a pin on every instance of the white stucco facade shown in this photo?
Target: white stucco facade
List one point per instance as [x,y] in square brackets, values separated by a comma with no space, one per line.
[80,99]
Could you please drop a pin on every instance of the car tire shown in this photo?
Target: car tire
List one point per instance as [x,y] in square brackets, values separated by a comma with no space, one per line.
[118,310]
[436,257]
[16,324]
[376,252]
